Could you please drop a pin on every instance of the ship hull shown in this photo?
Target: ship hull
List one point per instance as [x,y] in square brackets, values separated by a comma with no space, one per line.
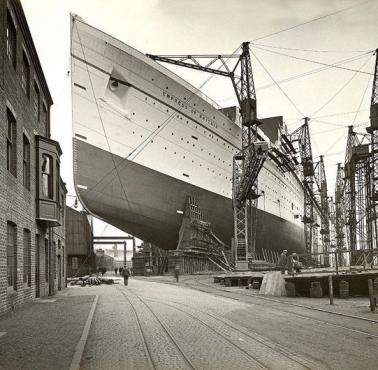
[145,202]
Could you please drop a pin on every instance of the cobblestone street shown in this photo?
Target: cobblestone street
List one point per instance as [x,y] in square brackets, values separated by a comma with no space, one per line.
[151,325]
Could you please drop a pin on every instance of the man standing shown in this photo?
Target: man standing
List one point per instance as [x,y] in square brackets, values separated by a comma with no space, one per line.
[177,273]
[126,274]
[282,262]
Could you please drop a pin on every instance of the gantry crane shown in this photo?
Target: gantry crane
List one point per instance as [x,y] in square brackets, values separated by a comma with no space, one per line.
[321,183]
[249,161]
[373,130]
[357,189]
[301,136]
[339,210]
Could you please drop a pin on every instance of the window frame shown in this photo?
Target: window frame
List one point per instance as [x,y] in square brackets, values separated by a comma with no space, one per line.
[27,257]
[37,102]
[11,40]
[25,74]
[11,140]
[26,162]
[48,176]
[11,244]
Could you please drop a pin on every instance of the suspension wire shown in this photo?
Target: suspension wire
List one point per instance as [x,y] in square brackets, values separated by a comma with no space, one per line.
[362,99]
[340,114]
[310,21]
[342,88]
[338,138]
[316,61]
[313,71]
[146,142]
[101,120]
[304,74]
[310,50]
[276,83]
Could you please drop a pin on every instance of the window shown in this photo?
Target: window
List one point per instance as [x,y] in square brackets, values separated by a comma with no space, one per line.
[27,258]
[75,263]
[46,260]
[57,181]
[45,120]
[37,106]
[11,255]
[26,163]
[47,188]
[11,40]
[11,144]
[63,260]
[25,75]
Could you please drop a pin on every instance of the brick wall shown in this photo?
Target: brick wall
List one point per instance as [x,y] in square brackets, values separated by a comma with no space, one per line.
[17,204]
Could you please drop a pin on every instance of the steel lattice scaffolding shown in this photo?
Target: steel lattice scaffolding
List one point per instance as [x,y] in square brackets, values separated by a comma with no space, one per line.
[339,209]
[302,137]
[321,183]
[249,161]
[357,191]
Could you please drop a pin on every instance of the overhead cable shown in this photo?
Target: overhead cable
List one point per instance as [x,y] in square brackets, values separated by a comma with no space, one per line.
[316,61]
[310,21]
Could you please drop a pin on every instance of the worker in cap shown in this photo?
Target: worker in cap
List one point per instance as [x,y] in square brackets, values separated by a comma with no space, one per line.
[282,262]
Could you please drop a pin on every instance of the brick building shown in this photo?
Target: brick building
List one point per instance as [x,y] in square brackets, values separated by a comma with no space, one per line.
[81,259]
[32,194]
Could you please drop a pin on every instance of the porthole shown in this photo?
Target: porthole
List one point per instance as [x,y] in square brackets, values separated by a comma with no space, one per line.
[114,85]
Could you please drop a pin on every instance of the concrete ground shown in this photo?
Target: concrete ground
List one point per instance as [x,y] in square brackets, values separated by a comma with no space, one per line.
[154,325]
[43,335]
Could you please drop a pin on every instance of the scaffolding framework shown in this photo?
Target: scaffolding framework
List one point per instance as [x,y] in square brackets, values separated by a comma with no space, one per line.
[249,161]
[302,137]
[322,197]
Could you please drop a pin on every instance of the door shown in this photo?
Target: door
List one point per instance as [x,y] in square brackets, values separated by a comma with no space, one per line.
[37,267]
[59,273]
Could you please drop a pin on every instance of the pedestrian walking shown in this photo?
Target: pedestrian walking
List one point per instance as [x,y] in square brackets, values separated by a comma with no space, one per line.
[177,273]
[282,262]
[115,271]
[121,271]
[126,274]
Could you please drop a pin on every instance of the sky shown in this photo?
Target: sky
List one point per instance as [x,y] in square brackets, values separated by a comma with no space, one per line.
[332,98]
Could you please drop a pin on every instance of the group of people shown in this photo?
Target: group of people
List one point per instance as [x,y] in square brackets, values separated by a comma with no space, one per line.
[290,263]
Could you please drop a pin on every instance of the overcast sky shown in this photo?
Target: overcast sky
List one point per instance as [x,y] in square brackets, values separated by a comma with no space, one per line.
[220,26]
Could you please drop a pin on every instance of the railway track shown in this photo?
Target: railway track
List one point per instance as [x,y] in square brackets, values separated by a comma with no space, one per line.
[281,350]
[152,364]
[226,294]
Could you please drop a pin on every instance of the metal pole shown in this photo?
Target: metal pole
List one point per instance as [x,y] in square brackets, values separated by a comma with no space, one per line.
[124,254]
[336,262]
[330,288]
[371,295]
